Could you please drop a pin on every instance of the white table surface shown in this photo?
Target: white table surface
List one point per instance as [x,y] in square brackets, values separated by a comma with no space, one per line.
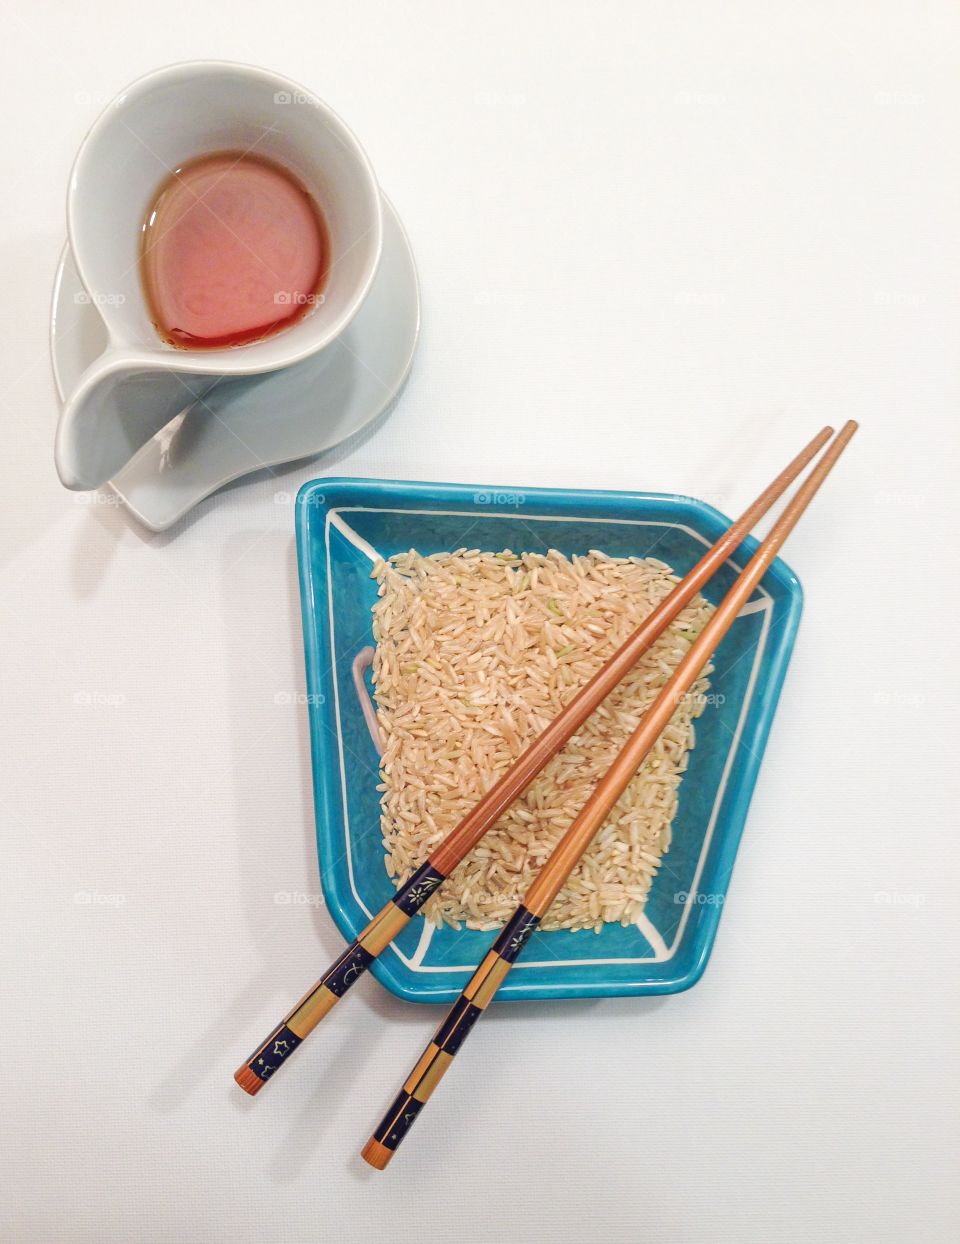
[659,245]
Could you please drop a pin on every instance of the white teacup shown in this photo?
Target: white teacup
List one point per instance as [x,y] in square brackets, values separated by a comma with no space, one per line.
[173,115]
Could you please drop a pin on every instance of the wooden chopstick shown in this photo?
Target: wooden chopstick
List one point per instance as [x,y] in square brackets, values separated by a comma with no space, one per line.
[272,1053]
[509,944]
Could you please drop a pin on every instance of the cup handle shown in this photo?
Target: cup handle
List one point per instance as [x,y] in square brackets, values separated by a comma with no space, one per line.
[120,402]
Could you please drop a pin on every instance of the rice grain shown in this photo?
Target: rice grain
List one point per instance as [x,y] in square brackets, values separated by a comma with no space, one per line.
[476,653]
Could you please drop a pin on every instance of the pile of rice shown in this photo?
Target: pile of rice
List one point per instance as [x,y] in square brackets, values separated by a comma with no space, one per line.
[476,653]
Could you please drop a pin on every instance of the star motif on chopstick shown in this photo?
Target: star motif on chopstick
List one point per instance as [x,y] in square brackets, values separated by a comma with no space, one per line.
[281,1047]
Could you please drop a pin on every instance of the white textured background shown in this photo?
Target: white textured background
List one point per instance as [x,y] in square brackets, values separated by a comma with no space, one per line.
[659,244]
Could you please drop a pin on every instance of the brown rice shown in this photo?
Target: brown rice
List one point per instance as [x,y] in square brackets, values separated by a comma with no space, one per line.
[476,652]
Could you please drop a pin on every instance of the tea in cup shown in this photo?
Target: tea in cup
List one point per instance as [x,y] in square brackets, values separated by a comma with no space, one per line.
[224,222]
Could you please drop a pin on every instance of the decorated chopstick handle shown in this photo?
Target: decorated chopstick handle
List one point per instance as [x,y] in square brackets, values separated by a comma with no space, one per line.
[345,971]
[449,1037]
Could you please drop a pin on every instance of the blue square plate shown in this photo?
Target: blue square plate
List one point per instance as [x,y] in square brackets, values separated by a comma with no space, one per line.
[341,525]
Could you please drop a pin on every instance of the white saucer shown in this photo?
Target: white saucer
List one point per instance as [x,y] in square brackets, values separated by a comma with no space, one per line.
[249,423]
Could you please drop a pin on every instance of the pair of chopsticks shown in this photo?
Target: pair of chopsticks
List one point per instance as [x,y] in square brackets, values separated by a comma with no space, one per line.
[272,1053]
[509,944]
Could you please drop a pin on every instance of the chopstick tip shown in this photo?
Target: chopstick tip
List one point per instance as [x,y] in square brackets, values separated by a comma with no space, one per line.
[248,1080]
[375,1154]
[845,435]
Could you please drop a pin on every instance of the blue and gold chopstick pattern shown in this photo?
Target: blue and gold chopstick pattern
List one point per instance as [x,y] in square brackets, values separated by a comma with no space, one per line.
[344,972]
[448,1038]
